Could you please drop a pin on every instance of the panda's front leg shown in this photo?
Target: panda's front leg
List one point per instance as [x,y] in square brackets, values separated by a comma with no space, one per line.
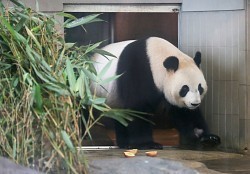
[201,131]
[197,138]
[193,129]
[209,140]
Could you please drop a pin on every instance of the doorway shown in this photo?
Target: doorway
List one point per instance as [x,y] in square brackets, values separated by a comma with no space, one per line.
[125,26]
[120,26]
[140,25]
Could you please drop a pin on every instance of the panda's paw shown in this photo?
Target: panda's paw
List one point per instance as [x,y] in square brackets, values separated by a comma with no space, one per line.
[144,146]
[210,141]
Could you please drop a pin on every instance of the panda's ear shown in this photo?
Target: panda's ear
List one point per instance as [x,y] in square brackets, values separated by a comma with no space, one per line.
[171,63]
[197,58]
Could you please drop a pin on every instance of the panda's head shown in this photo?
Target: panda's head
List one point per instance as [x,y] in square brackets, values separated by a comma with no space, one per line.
[185,83]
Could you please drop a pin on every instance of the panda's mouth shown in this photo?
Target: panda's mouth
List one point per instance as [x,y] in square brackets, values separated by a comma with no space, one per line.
[192,105]
[195,104]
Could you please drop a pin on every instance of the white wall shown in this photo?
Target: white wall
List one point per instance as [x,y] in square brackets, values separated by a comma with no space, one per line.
[220,36]
[212,5]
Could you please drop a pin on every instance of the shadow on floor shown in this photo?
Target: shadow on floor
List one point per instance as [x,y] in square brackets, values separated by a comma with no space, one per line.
[239,165]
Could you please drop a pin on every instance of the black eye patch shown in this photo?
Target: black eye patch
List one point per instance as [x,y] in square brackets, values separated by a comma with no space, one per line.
[184,90]
[201,90]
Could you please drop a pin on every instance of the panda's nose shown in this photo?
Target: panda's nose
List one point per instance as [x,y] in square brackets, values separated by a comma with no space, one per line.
[195,104]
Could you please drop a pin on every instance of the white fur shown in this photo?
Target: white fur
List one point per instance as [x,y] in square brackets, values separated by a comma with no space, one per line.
[109,90]
[190,76]
[171,82]
[167,82]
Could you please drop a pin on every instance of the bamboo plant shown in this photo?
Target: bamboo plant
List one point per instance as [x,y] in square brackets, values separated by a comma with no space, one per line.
[44,85]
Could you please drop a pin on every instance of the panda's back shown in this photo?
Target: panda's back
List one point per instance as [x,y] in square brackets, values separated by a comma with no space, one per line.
[108,90]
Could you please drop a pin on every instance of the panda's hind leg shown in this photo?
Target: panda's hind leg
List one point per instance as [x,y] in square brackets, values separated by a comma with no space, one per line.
[138,134]
[121,135]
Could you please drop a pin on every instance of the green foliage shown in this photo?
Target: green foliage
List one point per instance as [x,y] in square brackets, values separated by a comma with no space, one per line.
[44,84]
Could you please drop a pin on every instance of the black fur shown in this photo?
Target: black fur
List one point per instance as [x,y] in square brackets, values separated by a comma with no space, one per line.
[201,90]
[186,121]
[184,90]
[171,63]
[137,91]
[197,58]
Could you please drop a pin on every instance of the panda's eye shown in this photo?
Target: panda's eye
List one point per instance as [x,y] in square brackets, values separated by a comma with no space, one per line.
[201,90]
[184,90]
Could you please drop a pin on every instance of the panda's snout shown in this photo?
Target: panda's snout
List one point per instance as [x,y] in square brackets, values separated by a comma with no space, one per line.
[192,100]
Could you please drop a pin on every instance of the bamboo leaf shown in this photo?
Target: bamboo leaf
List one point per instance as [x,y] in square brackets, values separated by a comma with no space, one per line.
[18,3]
[8,26]
[14,33]
[103,53]
[20,24]
[56,89]
[71,75]
[105,69]
[26,77]
[15,82]
[87,89]
[80,85]
[40,75]
[38,97]
[60,59]
[92,47]
[14,148]
[68,141]
[33,38]
[20,38]
[69,45]
[2,11]
[98,101]
[4,66]
[83,21]
[66,15]
[84,121]
[119,119]
[90,75]
[40,61]
[108,80]
[100,108]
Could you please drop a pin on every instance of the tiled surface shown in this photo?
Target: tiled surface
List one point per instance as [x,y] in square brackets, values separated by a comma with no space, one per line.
[221,38]
[248,102]
[248,43]
[242,132]
[243,101]
[248,64]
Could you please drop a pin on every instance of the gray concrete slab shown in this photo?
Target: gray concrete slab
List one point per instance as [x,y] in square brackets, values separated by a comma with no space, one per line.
[205,162]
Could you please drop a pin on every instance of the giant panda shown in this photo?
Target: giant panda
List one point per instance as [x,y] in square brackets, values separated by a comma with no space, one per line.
[153,70]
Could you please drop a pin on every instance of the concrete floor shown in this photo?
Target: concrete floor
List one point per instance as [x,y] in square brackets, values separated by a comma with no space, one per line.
[203,161]
[236,165]
[207,162]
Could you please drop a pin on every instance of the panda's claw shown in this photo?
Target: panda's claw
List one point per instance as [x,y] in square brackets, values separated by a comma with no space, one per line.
[210,140]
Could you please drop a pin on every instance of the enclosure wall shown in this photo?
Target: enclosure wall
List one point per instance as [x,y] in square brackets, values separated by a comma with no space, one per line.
[220,36]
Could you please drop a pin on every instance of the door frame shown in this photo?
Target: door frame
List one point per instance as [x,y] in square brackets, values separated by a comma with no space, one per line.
[138,8]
